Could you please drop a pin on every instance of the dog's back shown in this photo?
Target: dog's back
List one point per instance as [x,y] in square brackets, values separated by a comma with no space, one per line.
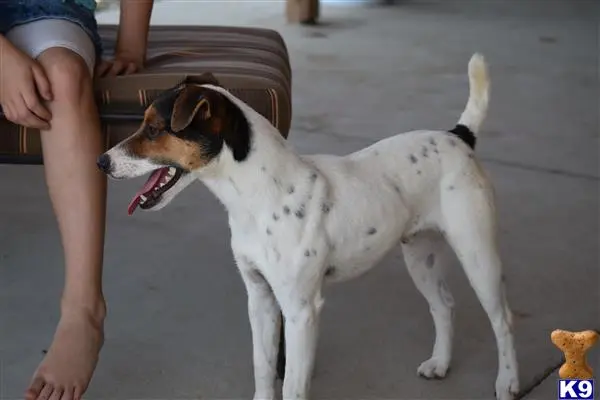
[396,183]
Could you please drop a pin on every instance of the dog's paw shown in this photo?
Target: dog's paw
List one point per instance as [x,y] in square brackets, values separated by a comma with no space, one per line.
[433,368]
[507,388]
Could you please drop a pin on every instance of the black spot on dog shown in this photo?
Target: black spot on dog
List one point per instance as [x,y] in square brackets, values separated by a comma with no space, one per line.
[291,189]
[300,212]
[452,142]
[451,187]
[275,217]
[376,153]
[303,302]
[432,142]
[404,240]
[471,155]
[371,231]
[286,210]
[325,207]
[413,159]
[397,188]
[507,366]
[268,231]
[276,181]
[313,177]
[307,253]
[263,169]
[418,172]
[430,260]
[314,252]
[425,152]
[330,271]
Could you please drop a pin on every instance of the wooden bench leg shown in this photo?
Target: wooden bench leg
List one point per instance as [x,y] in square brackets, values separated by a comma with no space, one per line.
[281,352]
[302,11]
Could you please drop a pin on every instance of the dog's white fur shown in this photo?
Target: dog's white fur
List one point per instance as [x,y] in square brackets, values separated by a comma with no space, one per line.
[300,221]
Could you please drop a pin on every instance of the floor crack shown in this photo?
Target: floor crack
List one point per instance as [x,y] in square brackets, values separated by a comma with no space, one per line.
[537,380]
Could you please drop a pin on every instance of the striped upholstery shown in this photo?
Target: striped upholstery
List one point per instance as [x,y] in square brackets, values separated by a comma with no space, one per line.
[252,63]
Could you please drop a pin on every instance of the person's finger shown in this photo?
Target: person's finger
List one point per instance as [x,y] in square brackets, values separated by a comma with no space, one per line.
[131,68]
[117,67]
[41,82]
[103,68]
[33,103]
[26,118]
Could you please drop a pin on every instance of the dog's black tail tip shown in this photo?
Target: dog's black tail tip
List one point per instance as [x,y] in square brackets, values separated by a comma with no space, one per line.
[465,134]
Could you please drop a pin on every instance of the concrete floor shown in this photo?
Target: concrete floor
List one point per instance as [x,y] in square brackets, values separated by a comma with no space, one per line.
[177,326]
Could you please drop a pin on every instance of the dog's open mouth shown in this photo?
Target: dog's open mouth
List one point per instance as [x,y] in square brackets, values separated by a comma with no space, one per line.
[157,184]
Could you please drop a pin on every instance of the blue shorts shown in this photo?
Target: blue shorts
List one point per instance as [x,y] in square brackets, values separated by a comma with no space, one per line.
[81,12]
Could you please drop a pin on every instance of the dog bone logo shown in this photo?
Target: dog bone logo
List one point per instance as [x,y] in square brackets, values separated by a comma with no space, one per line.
[574,345]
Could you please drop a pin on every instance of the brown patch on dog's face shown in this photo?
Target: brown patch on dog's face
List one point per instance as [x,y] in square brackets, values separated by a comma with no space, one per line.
[168,149]
[187,126]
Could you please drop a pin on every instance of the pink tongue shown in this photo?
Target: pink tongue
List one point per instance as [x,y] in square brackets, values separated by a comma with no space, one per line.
[148,187]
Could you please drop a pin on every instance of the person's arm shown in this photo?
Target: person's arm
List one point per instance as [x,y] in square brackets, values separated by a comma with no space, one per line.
[132,39]
[134,23]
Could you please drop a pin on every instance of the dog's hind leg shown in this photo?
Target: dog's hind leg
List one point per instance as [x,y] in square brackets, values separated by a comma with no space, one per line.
[470,226]
[425,255]
[265,317]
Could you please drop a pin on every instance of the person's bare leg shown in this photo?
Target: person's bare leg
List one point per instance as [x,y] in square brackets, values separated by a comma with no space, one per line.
[78,193]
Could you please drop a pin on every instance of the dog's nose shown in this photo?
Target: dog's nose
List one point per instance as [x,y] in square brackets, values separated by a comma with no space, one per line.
[103,163]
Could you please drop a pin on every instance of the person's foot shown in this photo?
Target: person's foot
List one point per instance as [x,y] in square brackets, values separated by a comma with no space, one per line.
[67,368]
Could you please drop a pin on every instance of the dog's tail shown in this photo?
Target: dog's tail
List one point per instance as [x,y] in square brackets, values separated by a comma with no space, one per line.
[475,112]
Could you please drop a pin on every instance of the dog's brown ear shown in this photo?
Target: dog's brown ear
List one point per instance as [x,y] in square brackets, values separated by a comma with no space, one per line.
[204,79]
[191,101]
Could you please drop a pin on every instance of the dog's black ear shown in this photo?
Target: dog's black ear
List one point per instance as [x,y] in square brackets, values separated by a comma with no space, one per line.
[190,101]
[216,119]
[204,79]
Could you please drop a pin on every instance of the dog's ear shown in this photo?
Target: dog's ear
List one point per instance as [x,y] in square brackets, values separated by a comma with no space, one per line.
[190,101]
[204,79]
[216,119]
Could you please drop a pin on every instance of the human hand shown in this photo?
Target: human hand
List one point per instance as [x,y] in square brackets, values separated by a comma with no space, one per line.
[23,87]
[123,64]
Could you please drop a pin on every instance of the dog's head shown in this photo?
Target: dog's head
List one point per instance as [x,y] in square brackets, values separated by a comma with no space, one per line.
[184,130]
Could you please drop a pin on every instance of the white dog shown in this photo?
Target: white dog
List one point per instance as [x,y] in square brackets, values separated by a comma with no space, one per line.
[298,222]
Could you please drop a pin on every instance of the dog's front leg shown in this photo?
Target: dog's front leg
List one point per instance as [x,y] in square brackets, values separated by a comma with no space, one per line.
[301,332]
[265,317]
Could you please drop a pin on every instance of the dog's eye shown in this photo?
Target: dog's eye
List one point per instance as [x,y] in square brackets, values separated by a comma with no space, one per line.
[152,132]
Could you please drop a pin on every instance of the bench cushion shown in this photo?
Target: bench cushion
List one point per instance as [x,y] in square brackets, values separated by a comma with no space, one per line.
[252,63]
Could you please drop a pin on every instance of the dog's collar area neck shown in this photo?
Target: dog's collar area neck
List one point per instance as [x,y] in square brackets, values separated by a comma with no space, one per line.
[246,186]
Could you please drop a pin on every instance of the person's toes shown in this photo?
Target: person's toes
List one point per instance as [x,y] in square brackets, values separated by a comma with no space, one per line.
[46,392]
[35,388]
[77,393]
[57,393]
[68,394]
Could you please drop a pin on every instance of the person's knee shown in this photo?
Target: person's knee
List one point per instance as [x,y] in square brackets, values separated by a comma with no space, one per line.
[68,74]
